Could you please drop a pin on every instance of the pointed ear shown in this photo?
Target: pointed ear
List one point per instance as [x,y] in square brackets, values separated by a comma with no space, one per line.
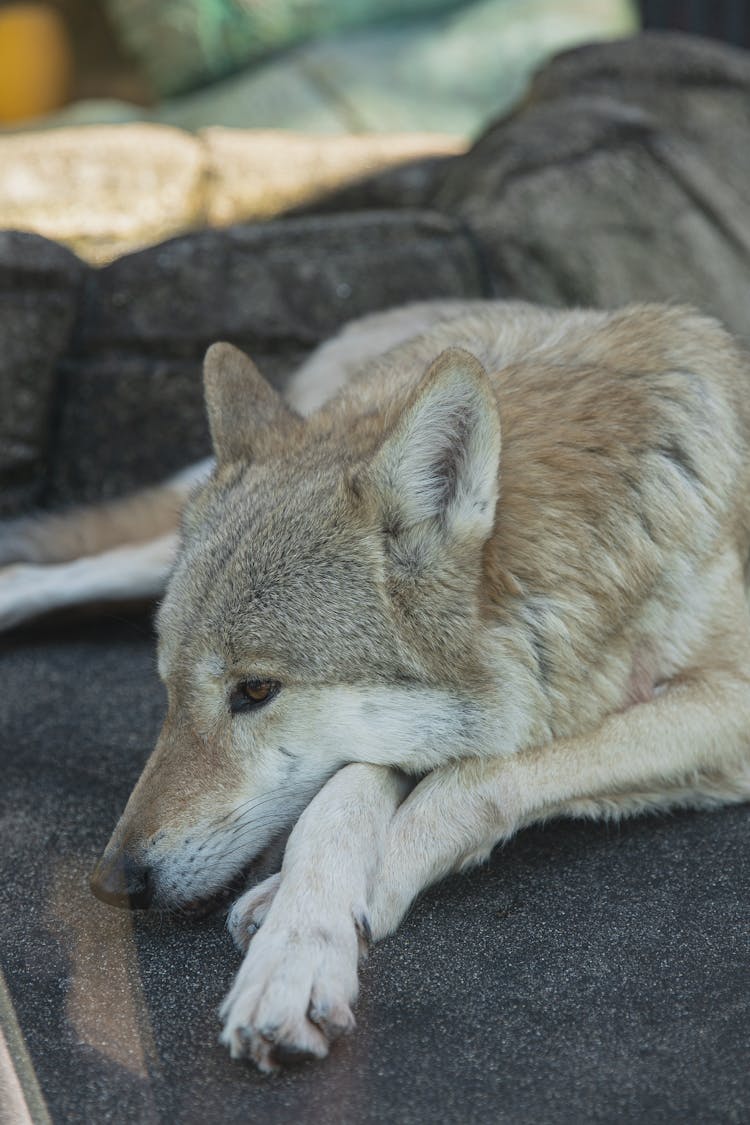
[243,408]
[441,462]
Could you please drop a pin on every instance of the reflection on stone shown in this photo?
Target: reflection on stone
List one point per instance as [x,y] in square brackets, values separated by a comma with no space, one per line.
[105,1004]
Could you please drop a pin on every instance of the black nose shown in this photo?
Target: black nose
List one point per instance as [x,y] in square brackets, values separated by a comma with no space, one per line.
[122,881]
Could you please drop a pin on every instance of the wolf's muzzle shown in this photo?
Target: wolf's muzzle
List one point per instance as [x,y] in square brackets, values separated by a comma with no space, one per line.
[121,881]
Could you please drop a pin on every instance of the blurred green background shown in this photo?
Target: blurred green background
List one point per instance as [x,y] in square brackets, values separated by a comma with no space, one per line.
[348,66]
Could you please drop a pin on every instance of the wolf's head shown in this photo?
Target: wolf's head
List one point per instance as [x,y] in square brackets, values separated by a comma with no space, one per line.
[324,609]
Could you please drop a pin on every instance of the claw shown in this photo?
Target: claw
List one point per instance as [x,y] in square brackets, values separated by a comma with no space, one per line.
[333,1023]
[364,929]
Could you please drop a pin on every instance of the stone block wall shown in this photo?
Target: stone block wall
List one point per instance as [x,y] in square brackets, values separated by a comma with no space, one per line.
[623,177]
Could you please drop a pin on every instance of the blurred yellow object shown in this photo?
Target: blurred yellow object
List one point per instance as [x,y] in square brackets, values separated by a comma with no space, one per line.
[35,61]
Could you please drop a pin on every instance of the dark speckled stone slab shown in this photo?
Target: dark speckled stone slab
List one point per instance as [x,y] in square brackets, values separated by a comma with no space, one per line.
[589,974]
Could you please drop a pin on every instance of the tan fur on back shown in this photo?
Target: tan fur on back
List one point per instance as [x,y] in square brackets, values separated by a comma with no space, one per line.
[624,469]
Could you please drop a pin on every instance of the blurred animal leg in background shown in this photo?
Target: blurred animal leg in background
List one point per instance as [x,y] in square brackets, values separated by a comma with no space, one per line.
[122,574]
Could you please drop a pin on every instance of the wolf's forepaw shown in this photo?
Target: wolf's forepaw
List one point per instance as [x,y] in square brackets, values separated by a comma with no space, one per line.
[249,912]
[293,994]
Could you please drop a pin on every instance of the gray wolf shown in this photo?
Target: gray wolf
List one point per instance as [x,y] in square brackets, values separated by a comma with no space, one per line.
[485,564]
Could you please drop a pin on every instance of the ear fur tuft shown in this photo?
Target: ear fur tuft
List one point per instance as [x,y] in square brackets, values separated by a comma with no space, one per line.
[441,462]
[242,406]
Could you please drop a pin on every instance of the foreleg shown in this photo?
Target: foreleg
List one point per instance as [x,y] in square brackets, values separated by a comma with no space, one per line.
[298,982]
[688,746]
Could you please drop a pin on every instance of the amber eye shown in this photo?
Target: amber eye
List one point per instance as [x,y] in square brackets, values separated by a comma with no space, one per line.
[251,694]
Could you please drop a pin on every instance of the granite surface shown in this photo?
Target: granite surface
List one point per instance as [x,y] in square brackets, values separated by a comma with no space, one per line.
[589,973]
